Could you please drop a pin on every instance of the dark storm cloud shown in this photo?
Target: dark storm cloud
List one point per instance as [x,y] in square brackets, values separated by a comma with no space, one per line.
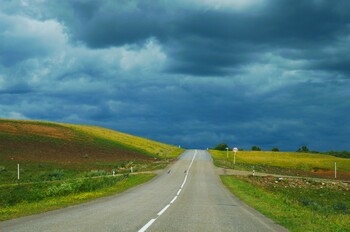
[194,74]
[209,42]
[227,39]
[198,56]
[111,23]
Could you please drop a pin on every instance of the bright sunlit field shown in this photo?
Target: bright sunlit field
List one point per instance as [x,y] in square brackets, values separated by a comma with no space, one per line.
[267,161]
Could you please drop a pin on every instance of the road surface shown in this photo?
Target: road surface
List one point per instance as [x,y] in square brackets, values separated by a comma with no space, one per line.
[188,196]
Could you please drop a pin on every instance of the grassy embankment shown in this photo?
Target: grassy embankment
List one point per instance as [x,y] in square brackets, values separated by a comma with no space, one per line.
[17,201]
[285,163]
[62,164]
[297,204]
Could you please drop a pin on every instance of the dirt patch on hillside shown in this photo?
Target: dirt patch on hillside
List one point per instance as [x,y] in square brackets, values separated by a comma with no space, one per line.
[63,147]
[65,153]
[8,128]
[36,129]
[330,174]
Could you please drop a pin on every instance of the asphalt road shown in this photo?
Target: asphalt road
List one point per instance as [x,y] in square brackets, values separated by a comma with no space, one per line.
[188,196]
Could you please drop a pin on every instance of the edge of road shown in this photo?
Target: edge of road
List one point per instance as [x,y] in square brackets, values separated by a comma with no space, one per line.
[268,222]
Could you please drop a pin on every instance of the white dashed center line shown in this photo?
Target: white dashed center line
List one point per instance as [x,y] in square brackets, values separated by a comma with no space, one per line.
[145,227]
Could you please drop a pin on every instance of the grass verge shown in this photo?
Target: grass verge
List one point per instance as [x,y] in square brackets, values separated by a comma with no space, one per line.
[46,197]
[299,205]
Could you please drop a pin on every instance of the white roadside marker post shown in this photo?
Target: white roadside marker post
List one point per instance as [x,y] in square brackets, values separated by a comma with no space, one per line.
[226,152]
[235,149]
[18,173]
[335,170]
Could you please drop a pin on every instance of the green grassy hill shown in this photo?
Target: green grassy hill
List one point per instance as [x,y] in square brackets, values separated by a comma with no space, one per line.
[49,151]
[286,163]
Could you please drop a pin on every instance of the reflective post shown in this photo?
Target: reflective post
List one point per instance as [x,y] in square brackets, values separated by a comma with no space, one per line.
[18,173]
[235,149]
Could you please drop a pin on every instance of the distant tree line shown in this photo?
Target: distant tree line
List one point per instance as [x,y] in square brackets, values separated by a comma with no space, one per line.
[341,154]
[305,149]
[221,147]
[302,149]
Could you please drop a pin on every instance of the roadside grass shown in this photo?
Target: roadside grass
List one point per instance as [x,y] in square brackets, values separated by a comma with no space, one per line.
[285,163]
[299,205]
[50,171]
[17,201]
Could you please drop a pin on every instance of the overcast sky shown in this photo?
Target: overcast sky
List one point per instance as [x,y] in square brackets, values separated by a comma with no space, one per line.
[193,73]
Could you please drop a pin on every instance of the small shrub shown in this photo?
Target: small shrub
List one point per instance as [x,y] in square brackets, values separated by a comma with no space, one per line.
[304,149]
[342,154]
[129,164]
[123,164]
[221,147]
[52,191]
[256,148]
[56,175]
[62,189]
[275,149]
[340,207]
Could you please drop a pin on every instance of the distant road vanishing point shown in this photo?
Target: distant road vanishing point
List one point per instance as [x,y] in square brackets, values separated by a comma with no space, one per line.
[188,196]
